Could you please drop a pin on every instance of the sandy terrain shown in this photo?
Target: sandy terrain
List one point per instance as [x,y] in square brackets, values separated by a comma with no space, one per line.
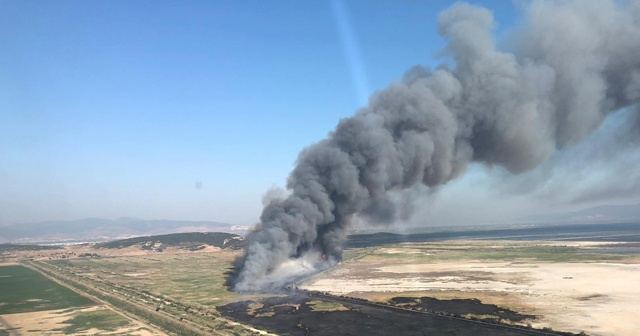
[600,298]
[50,322]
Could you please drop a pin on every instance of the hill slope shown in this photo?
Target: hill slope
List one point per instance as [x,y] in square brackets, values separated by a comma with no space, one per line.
[187,240]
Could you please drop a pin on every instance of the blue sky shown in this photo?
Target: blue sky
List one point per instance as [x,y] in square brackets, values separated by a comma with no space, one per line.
[188,110]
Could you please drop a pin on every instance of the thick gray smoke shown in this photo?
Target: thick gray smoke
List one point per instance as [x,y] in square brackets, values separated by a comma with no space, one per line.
[572,63]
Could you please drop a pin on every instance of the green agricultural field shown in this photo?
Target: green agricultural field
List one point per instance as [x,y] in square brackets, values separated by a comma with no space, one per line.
[25,290]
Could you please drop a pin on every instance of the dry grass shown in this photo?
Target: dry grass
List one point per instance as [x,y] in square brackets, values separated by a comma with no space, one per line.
[191,278]
[569,287]
[318,305]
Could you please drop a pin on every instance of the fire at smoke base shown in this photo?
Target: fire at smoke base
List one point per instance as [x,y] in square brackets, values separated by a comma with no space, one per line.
[572,64]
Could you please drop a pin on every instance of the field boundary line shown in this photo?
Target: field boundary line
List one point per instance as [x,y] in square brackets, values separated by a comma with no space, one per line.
[130,315]
[136,319]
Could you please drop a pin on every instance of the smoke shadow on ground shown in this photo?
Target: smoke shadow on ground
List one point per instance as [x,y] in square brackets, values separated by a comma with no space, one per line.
[231,276]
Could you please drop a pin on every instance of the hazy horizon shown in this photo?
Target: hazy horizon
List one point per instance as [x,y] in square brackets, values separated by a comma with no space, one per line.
[193,112]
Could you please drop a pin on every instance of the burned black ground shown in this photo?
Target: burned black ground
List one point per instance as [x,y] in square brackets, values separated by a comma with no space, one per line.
[294,315]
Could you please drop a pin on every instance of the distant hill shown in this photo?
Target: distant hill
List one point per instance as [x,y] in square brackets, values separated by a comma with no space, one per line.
[101,229]
[598,214]
[188,240]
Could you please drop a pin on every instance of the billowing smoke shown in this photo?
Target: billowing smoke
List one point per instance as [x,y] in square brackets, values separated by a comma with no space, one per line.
[571,63]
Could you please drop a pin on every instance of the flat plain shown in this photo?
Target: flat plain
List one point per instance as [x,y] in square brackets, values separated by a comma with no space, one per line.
[194,278]
[179,290]
[569,286]
[25,290]
[31,304]
[458,287]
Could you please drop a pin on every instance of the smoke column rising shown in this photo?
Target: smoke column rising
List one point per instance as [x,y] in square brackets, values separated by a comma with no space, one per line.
[573,63]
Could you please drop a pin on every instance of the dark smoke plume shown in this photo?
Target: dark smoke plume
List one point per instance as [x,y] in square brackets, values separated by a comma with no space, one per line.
[573,63]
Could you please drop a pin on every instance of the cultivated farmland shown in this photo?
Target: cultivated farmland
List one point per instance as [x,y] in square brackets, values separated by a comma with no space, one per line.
[25,290]
[31,304]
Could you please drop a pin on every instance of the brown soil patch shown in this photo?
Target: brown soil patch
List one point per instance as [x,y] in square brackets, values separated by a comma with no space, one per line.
[51,322]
